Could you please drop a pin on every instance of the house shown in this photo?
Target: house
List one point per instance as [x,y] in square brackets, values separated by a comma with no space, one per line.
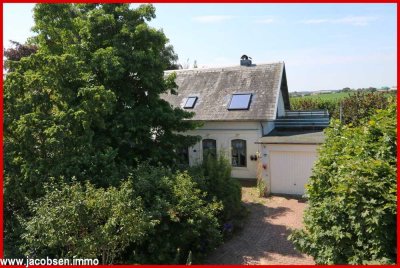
[245,111]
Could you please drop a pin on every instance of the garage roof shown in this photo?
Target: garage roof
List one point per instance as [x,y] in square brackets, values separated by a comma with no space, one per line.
[293,137]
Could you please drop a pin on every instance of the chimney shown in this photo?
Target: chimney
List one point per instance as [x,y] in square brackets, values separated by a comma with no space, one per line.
[245,61]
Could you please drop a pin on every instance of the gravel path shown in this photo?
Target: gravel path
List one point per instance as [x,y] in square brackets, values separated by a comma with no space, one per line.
[263,240]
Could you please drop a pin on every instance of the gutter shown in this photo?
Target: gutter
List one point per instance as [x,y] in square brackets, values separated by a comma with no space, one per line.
[294,143]
[230,129]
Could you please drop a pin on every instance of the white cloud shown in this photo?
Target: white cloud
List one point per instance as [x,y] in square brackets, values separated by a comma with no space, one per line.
[212,18]
[319,21]
[222,18]
[349,20]
[356,20]
[266,21]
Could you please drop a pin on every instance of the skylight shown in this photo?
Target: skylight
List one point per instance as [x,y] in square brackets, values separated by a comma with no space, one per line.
[240,102]
[190,102]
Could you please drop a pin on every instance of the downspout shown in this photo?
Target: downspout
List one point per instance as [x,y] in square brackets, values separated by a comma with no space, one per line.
[262,129]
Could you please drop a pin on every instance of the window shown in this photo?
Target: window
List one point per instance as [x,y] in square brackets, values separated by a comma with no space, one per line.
[190,102]
[209,148]
[183,154]
[239,154]
[240,102]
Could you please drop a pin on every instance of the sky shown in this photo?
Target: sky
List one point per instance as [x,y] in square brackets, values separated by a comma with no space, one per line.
[324,46]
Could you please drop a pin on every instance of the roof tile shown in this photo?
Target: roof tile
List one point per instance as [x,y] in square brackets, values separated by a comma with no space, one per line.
[214,88]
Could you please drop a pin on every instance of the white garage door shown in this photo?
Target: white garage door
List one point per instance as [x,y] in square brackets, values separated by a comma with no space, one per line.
[290,171]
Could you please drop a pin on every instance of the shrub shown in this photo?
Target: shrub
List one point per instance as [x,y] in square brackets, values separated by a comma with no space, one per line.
[362,105]
[185,221]
[214,178]
[156,216]
[75,221]
[355,107]
[300,104]
[261,188]
[352,194]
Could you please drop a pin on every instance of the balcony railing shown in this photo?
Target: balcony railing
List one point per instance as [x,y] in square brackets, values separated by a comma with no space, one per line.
[311,113]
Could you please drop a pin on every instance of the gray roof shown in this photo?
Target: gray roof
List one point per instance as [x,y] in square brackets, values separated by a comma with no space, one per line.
[293,137]
[214,88]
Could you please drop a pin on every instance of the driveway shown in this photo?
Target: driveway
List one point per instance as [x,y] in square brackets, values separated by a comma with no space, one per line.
[263,239]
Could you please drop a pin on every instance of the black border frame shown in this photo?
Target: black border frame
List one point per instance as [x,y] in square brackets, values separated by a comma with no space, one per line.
[194,103]
[238,109]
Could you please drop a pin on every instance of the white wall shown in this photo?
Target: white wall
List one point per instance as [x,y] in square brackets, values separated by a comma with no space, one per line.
[223,133]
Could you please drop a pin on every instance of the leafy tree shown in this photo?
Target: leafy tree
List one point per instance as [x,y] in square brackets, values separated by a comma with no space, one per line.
[18,51]
[187,222]
[86,104]
[351,217]
[75,221]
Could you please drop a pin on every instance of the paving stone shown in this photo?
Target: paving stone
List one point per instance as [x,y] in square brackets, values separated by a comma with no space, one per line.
[263,239]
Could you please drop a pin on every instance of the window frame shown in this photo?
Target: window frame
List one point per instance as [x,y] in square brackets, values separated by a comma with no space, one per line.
[202,147]
[194,102]
[238,94]
[239,164]
[184,155]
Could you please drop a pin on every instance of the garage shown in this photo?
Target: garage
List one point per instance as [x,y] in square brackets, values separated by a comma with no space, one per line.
[289,159]
[290,168]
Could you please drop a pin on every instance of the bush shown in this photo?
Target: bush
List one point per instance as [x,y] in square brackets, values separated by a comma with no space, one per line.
[362,105]
[185,221]
[75,221]
[301,104]
[214,178]
[156,217]
[355,107]
[351,217]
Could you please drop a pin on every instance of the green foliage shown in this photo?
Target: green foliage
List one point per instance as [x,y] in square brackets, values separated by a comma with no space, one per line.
[17,52]
[261,187]
[362,105]
[352,194]
[355,106]
[186,222]
[86,103]
[75,221]
[155,217]
[315,104]
[214,178]
[323,96]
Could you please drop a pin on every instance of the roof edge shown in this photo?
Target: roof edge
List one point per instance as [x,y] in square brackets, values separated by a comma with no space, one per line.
[279,90]
[232,120]
[211,69]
